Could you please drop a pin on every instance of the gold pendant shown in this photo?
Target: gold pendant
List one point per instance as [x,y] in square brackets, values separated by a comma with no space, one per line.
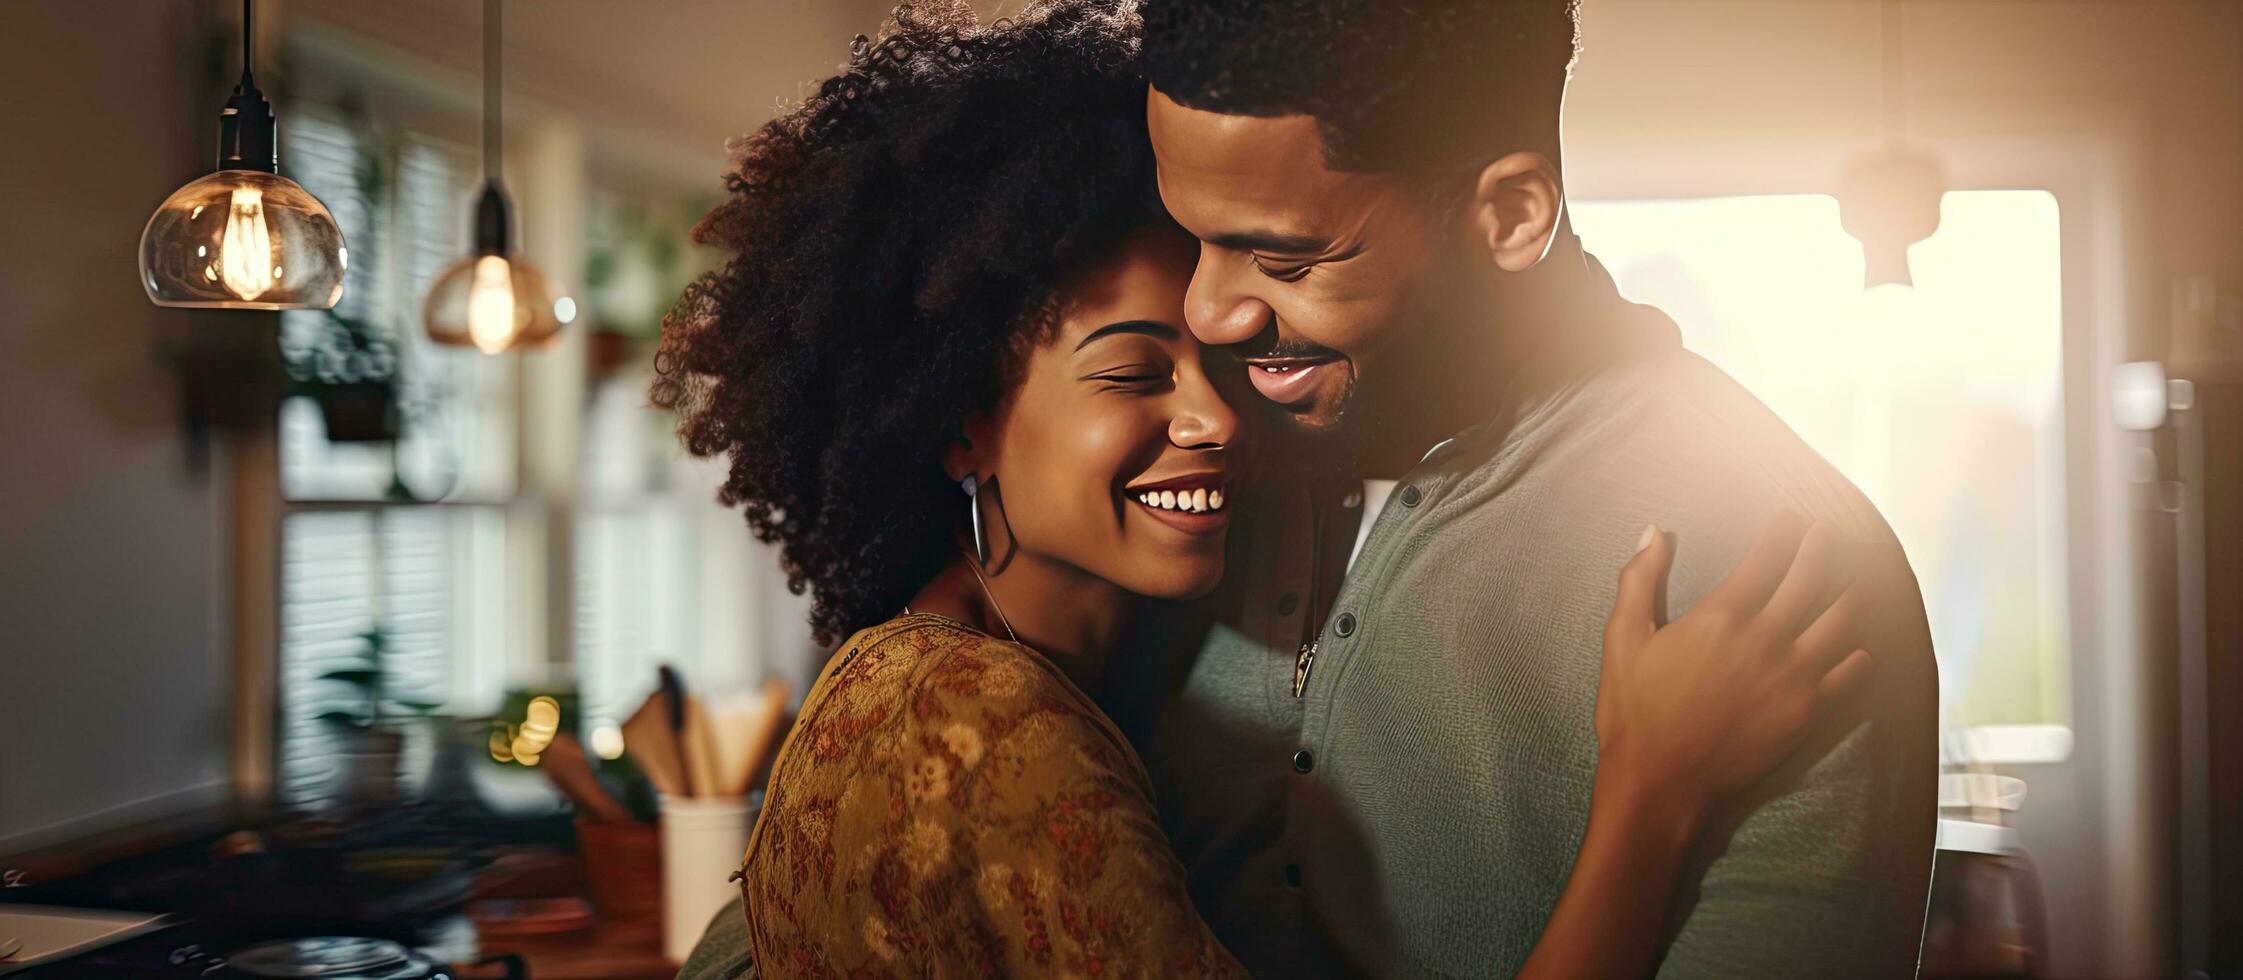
[1301,664]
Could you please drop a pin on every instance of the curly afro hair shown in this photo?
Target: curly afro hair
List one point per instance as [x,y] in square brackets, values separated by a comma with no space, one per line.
[897,243]
[1424,85]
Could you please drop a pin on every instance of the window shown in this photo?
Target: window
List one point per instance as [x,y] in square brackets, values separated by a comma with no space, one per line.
[365,544]
[416,572]
[428,538]
[1942,403]
[663,575]
[401,206]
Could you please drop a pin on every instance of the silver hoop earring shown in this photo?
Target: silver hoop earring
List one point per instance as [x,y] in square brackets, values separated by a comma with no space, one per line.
[972,487]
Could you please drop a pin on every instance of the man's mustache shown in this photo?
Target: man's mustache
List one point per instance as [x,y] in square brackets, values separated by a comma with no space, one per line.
[1267,344]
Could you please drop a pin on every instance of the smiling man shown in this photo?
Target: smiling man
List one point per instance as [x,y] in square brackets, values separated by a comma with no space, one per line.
[1377,756]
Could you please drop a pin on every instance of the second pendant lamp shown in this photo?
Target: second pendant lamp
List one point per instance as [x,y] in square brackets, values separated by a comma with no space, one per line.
[493,300]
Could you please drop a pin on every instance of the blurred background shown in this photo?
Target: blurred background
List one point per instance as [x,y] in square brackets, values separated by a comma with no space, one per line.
[310,563]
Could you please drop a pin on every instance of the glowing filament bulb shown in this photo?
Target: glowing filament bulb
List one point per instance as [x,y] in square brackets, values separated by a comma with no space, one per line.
[245,256]
[490,305]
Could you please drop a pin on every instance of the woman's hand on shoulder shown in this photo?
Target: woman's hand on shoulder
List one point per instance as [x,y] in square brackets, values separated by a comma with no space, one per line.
[1693,712]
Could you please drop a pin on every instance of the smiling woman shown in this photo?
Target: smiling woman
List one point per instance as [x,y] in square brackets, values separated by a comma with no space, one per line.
[950,274]
[1111,451]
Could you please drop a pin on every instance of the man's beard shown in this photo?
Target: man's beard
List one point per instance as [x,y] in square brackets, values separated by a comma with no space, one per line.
[1401,399]
[1334,444]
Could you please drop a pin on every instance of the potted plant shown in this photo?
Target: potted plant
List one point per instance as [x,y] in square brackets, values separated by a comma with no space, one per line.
[372,738]
[350,372]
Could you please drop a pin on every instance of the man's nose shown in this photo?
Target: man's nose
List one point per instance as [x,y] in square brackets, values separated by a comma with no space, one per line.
[1218,313]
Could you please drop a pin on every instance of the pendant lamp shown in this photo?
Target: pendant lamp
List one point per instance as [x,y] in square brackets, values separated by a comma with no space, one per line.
[493,300]
[1889,197]
[243,238]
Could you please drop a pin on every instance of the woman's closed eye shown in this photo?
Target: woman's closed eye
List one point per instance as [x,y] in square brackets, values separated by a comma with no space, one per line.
[1130,356]
[1135,377]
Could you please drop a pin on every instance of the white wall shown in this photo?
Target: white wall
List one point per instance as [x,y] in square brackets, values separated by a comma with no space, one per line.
[113,652]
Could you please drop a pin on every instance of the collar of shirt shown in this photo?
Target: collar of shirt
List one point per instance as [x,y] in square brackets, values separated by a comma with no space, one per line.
[1609,329]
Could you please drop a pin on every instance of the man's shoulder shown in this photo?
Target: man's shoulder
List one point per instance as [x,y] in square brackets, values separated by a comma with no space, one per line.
[1668,440]
[1671,396]
[1674,431]
[1677,442]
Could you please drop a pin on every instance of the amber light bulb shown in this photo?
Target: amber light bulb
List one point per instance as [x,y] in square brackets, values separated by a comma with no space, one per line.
[493,300]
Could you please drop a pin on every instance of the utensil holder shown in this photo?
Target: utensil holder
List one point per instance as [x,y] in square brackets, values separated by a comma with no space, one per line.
[703,842]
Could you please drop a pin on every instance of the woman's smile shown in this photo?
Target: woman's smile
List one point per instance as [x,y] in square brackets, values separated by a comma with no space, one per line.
[1193,503]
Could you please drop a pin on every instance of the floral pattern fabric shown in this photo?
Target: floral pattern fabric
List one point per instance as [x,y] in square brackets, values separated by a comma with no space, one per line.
[950,804]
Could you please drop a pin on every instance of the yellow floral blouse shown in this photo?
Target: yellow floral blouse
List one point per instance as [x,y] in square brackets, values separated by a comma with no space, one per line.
[949,804]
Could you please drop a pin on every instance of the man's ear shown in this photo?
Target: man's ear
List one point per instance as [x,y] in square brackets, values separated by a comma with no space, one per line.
[1515,209]
[974,451]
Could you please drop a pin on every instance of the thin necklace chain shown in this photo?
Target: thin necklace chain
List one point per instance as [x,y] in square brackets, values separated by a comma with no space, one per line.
[991,596]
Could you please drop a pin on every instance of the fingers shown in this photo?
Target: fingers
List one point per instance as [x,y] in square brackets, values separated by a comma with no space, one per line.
[1833,650]
[1637,612]
[1748,586]
[1834,635]
[1818,572]
[1843,694]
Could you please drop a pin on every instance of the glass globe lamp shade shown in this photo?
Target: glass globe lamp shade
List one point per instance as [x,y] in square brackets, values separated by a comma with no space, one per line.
[495,302]
[243,240]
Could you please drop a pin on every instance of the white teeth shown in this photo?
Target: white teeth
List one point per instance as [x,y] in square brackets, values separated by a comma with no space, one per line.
[1198,500]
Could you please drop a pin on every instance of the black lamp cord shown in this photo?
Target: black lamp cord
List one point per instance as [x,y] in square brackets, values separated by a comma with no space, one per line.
[493,225]
[491,148]
[248,32]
